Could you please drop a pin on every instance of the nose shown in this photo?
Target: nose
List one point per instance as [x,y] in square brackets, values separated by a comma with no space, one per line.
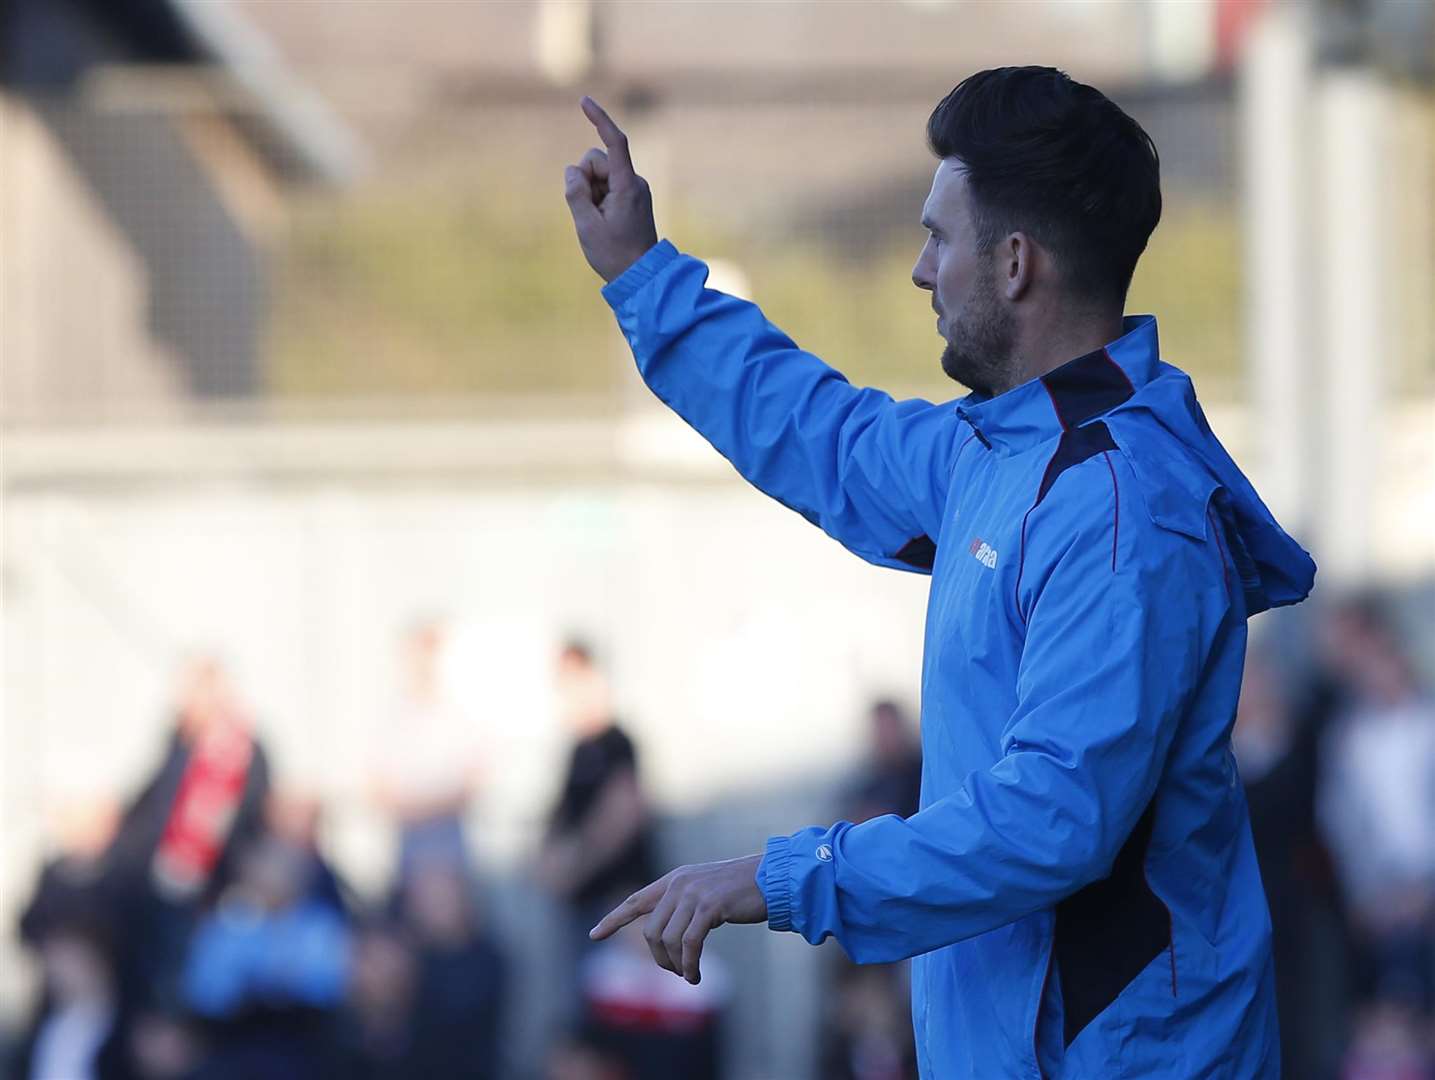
[921,272]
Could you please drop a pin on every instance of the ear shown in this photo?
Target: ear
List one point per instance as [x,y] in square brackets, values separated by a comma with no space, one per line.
[1016,265]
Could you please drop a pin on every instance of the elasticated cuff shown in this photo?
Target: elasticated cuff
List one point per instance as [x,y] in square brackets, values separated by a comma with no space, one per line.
[639,274]
[774,880]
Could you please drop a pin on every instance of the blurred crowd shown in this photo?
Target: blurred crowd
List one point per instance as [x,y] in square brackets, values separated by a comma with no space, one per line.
[200,933]
[1339,767]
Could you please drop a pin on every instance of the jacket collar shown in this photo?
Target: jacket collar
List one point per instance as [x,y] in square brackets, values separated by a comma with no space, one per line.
[1069,395]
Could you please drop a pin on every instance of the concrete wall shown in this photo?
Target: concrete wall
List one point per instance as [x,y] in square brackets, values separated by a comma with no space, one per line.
[73,292]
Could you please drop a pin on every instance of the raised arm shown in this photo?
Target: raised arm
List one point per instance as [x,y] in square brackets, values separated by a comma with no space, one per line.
[871,472]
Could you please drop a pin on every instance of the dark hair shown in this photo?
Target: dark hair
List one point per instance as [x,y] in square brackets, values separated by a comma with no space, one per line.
[1059,160]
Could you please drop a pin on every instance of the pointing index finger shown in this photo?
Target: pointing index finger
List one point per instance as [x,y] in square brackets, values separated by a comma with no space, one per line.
[640,903]
[612,136]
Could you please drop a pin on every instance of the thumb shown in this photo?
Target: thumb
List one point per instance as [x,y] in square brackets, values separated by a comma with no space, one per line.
[579,195]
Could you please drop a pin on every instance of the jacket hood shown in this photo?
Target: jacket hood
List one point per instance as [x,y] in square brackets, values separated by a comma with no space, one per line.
[1189,482]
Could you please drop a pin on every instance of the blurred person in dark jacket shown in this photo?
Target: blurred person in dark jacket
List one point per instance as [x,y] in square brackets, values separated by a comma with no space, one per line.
[1275,741]
[175,846]
[599,843]
[78,1031]
[890,778]
[867,1029]
[461,975]
[79,923]
[373,1036]
[295,817]
[870,1036]
[73,880]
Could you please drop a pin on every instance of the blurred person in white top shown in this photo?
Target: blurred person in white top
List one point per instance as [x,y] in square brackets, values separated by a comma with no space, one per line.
[1376,803]
[428,763]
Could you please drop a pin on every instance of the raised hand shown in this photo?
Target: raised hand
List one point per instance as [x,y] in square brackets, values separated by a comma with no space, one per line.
[611,204]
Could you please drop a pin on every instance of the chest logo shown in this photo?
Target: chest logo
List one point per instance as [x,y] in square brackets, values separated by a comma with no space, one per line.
[984,553]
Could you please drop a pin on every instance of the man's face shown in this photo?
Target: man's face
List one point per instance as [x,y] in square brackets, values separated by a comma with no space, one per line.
[978,329]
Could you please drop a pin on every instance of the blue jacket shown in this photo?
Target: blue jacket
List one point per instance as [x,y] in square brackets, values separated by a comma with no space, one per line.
[1079,889]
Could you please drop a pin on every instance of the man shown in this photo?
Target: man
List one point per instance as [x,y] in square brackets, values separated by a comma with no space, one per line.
[428,763]
[1079,887]
[176,848]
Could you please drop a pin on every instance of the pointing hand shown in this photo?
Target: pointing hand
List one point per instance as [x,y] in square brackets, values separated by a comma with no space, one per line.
[684,906]
[611,204]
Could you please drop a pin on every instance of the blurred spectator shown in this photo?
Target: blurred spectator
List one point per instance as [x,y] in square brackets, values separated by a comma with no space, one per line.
[267,963]
[207,796]
[598,847]
[73,881]
[65,924]
[428,761]
[77,1033]
[579,1059]
[461,976]
[1376,804]
[295,818]
[871,1031]
[428,987]
[656,1024]
[165,1044]
[175,845]
[867,1027]
[1388,1045]
[374,1035]
[890,779]
[1275,743]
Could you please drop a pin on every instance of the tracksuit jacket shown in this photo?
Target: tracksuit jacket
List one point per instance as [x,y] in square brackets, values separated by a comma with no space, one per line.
[1079,889]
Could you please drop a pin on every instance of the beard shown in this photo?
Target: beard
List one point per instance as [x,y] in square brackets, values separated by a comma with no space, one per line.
[981,341]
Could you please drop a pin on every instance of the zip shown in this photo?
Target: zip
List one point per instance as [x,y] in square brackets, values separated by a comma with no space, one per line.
[975,430]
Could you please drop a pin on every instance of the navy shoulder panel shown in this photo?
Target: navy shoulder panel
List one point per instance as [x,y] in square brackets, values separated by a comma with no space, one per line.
[1074,447]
